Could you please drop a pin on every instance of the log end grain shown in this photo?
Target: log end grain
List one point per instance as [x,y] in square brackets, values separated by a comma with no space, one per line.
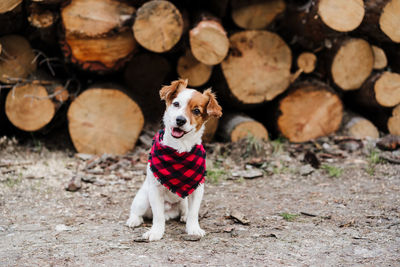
[210,129]
[394,121]
[104,121]
[389,20]
[361,128]
[209,42]
[28,107]
[9,5]
[309,111]
[256,14]
[257,67]
[352,64]
[158,26]
[235,127]
[190,68]
[387,89]
[380,59]
[341,15]
[307,62]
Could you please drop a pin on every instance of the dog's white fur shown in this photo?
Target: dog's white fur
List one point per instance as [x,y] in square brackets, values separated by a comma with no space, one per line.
[153,200]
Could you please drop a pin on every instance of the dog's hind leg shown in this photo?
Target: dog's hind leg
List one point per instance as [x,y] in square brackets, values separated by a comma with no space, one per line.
[140,206]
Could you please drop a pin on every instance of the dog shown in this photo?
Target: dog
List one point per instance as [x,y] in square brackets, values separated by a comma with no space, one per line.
[176,165]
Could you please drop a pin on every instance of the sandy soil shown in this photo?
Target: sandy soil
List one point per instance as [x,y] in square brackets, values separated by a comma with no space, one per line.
[349,217]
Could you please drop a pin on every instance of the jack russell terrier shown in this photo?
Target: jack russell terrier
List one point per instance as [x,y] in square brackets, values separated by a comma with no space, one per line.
[177,162]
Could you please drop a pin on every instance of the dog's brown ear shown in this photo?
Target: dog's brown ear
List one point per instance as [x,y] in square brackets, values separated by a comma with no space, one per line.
[213,108]
[169,92]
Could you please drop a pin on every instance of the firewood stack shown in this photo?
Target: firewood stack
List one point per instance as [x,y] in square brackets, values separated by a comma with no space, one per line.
[303,69]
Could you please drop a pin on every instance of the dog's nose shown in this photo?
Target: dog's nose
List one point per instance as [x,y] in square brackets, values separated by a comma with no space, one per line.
[180,120]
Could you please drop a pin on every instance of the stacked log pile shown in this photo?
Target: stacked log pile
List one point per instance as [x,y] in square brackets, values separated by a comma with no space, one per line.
[303,69]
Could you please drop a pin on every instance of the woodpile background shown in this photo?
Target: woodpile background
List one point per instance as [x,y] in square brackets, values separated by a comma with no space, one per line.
[303,69]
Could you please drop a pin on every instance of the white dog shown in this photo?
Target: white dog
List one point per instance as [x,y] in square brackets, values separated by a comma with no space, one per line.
[176,165]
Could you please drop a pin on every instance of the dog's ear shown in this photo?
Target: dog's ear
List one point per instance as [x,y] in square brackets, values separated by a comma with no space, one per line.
[169,92]
[213,108]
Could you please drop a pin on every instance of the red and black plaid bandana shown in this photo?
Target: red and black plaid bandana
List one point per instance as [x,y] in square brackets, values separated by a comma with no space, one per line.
[182,172]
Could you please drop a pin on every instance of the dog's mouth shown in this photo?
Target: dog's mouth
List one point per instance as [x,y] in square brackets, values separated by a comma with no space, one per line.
[177,132]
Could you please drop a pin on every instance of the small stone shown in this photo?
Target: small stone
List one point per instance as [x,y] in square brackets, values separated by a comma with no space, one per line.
[89,179]
[141,240]
[74,185]
[83,156]
[62,228]
[239,217]
[191,237]
[248,174]
[306,170]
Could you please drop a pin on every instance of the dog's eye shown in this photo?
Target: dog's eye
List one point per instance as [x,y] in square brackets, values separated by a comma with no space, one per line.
[176,104]
[196,111]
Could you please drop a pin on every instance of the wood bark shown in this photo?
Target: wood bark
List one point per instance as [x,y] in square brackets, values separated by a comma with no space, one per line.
[31,105]
[104,119]
[43,23]
[144,75]
[158,26]
[309,110]
[257,67]
[235,126]
[188,67]
[97,34]
[208,40]
[318,21]
[382,20]
[17,59]
[256,14]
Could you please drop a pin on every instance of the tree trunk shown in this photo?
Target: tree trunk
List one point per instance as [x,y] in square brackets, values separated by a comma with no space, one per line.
[257,68]
[32,104]
[208,40]
[158,26]
[256,14]
[318,21]
[190,68]
[145,74]
[358,127]
[350,62]
[234,127]
[17,59]
[103,119]
[97,35]
[394,121]
[11,16]
[382,20]
[309,110]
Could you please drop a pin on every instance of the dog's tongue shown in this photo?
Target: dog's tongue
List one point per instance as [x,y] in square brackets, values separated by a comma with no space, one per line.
[176,132]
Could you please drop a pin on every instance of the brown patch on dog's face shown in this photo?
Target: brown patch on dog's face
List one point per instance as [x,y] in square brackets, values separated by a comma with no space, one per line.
[201,106]
[169,92]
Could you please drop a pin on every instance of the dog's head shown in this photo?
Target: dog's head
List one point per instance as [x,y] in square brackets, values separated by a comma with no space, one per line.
[187,109]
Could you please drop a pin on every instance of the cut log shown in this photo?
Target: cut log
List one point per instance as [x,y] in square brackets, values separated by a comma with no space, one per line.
[158,26]
[309,110]
[382,20]
[358,127]
[307,62]
[234,127]
[31,105]
[394,121]
[43,22]
[256,14]
[380,59]
[11,16]
[382,89]
[351,63]
[145,74]
[210,129]
[97,37]
[257,67]
[17,59]
[317,22]
[103,119]
[208,40]
[190,68]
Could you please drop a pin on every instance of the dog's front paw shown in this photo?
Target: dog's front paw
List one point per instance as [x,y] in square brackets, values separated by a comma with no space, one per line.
[195,230]
[134,221]
[153,234]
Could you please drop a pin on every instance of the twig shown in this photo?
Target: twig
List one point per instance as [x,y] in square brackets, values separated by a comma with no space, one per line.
[6,165]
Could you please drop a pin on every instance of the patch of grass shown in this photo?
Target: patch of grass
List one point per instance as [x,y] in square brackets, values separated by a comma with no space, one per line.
[253,145]
[374,158]
[332,170]
[215,175]
[11,182]
[288,217]
[277,145]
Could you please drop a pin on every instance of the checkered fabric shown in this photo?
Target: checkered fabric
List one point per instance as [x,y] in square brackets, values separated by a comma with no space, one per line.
[181,173]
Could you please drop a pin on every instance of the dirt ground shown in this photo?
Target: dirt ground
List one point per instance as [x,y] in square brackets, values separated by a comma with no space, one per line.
[345,213]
